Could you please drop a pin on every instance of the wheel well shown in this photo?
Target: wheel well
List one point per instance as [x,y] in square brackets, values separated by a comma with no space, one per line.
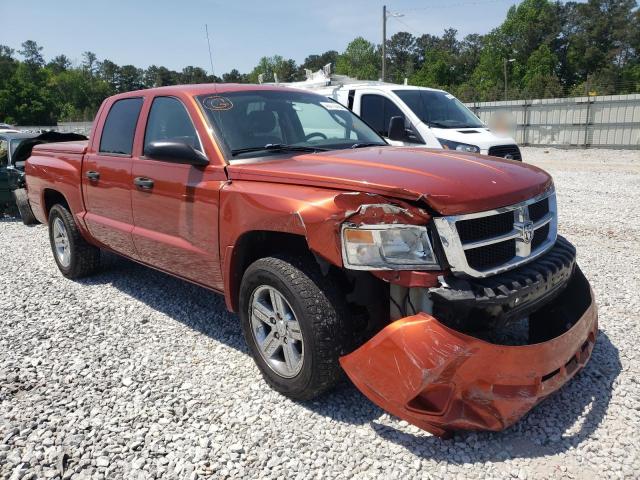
[367,296]
[254,245]
[51,198]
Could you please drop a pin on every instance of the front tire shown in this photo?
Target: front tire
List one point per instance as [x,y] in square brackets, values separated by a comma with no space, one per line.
[292,319]
[74,256]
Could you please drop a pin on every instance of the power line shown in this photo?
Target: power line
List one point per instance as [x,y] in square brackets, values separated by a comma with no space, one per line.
[452,5]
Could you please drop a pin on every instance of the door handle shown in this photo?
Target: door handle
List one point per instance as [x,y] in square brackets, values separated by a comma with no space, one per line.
[143,183]
[94,176]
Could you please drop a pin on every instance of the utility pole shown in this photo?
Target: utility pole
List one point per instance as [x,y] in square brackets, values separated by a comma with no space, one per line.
[384,40]
[385,15]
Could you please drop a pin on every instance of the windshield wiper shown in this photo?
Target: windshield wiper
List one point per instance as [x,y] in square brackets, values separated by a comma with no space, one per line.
[279,147]
[367,144]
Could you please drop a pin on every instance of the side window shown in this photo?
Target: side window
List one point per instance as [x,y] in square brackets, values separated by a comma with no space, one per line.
[4,152]
[377,111]
[372,111]
[120,127]
[169,121]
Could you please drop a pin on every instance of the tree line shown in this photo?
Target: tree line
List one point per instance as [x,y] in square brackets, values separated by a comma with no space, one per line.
[549,49]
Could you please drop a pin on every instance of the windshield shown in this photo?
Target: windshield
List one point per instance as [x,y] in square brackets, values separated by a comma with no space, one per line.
[439,109]
[264,122]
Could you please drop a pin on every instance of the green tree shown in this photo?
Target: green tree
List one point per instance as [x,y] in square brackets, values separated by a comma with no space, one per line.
[360,60]
[401,59]
[316,62]
[59,64]
[89,62]
[32,54]
[234,76]
[192,74]
[540,79]
[270,67]
[130,78]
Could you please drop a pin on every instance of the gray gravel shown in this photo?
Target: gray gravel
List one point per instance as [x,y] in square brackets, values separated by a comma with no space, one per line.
[134,374]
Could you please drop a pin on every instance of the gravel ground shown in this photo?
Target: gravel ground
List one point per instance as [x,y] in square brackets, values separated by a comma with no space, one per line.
[134,374]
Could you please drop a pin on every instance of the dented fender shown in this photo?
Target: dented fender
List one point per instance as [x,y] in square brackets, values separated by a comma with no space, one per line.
[442,380]
[314,213]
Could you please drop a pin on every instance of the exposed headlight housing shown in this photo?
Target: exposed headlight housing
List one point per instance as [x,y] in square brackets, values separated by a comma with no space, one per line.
[387,247]
[461,147]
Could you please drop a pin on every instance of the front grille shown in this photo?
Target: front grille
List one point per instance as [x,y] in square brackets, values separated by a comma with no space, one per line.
[538,210]
[491,256]
[485,227]
[539,236]
[481,244]
[504,150]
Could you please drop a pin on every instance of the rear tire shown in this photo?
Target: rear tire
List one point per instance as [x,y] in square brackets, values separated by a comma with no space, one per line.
[315,309]
[22,202]
[74,256]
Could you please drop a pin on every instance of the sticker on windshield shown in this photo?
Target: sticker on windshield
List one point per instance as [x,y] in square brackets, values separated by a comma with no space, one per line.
[332,106]
[449,96]
[217,103]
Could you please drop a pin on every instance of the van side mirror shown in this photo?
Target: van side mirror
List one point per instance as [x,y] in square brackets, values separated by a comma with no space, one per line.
[175,152]
[396,129]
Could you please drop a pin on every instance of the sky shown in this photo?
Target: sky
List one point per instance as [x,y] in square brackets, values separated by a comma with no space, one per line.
[172,33]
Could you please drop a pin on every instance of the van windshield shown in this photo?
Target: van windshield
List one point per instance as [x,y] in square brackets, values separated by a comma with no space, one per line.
[439,109]
[263,122]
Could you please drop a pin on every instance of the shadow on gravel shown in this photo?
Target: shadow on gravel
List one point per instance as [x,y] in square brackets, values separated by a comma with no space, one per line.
[196,307]
[549,429]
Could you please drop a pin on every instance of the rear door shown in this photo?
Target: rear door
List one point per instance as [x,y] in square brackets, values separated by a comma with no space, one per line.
[106,177]
[175,211]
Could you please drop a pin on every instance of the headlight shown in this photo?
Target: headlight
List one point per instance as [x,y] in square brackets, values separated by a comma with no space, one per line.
[387,247]
[461,147]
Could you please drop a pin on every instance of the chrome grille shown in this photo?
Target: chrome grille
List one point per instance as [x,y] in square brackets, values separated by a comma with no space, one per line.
[486,243]
[511,152]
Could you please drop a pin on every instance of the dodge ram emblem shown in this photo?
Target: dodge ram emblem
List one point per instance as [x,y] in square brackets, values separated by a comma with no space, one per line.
[526,230]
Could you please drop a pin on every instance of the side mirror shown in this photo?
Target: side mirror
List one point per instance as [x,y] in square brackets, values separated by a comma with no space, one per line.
[396,129]
[175,152]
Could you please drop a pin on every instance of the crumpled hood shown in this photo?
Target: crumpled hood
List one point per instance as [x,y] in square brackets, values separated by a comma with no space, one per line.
[451,183]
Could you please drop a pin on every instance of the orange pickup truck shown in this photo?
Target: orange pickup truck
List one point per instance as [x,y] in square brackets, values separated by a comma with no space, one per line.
[434,279]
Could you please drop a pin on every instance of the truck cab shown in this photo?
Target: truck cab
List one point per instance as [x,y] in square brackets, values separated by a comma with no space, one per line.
[432,118]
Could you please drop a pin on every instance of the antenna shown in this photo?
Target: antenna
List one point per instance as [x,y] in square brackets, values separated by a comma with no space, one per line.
[206,28]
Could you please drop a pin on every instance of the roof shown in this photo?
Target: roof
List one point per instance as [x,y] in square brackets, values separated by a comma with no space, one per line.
[201,89]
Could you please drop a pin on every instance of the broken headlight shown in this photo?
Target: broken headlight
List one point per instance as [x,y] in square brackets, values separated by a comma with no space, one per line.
[387,247]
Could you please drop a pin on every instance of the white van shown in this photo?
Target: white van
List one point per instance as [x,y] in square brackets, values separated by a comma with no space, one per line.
[430,118]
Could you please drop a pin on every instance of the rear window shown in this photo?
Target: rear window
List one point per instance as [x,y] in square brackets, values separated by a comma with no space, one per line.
[120,126]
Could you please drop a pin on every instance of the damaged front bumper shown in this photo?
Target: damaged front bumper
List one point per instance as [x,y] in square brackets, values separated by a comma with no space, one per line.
[442,380]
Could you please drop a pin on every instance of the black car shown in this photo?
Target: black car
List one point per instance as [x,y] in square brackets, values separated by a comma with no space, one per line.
[15,148]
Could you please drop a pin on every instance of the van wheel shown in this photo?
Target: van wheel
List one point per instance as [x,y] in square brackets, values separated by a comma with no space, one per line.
[24,208]
[291,319]
[73,255]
